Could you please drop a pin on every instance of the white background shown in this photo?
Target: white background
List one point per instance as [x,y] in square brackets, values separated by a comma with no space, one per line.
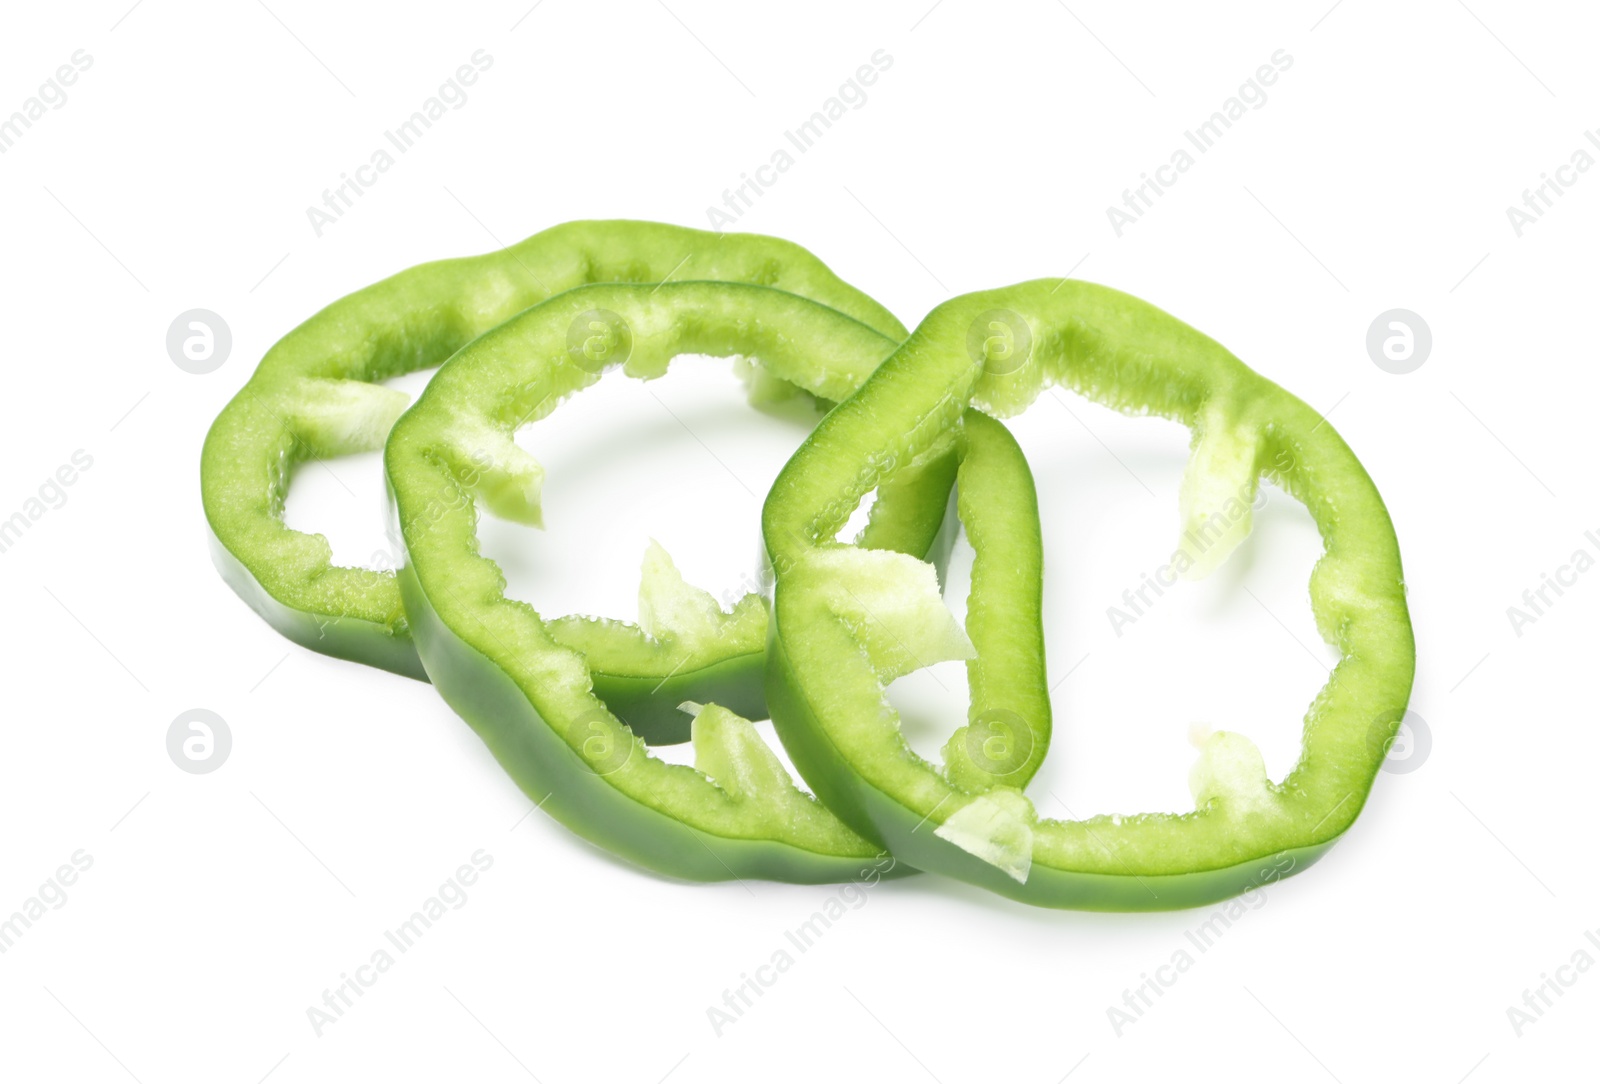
[1377,175]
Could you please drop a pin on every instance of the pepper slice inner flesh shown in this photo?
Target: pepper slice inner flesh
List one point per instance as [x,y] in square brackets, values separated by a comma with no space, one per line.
[998,350]
[317,394]
[532,698]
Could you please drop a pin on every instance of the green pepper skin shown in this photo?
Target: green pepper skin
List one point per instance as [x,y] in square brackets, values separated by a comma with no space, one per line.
[532,696]
[827,700]
[317,395]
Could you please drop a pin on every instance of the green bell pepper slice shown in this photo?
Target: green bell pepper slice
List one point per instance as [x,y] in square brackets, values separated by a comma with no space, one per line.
[317,394]
[999,350]
[529,686]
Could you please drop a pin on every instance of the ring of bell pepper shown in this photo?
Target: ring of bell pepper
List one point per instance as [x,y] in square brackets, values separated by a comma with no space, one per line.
[317,394]
[998,350]
[529,687]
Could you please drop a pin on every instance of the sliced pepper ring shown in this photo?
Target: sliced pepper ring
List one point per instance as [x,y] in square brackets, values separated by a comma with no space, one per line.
[999,350]
[317,394]
[531,697]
